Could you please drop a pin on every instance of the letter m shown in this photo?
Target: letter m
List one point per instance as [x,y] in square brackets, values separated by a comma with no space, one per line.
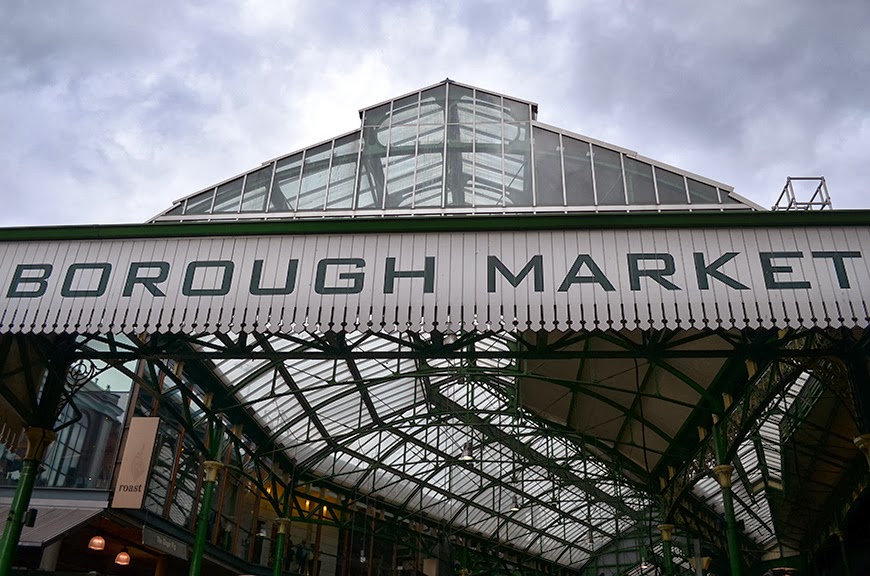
[493,265]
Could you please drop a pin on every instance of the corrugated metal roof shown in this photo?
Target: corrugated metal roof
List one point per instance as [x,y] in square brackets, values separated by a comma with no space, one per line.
[51,523]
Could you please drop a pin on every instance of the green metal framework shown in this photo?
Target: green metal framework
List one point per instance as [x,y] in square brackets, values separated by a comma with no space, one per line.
[381,420]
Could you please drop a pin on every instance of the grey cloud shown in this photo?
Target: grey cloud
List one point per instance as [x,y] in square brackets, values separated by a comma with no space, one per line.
[730,88]
[120,108]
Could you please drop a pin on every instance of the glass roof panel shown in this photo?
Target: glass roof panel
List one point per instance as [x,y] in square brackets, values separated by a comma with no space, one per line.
[406,110]
[257,190]
[639,182]
[671,187]
[453,148]
[285,188]
[395,429]
[548,168]
[200,204]
[608,176]
[342,172]
[488,108]
[432,105]
[377,116]
[460,104]
[429,177]
[315,174]
[700,193]
[579,188]
[728,199]
[228,197]
[516,111]
[400,165]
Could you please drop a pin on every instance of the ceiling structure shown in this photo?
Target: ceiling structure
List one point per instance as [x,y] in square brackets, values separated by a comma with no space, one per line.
[569,446]
[578,444]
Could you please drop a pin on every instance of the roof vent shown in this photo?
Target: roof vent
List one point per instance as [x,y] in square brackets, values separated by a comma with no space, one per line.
[804,193]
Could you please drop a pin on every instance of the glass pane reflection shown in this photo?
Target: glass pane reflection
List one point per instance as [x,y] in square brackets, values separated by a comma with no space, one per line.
[672,188]
[488,165]
[405,111]
[578,172]
[548,168]
[638,182]
[256,190]
[228,197]
[200,204]
[517,164]
[343,172]
[727,199]
[452,146]
[370,188]
[460,145]
[608,176]
[315,172]
[700,193]
[429,179]
[432,105]
[400,166]
[285,189]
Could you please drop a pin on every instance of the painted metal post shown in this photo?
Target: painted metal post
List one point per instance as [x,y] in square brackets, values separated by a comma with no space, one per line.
[667,531]
[723,474]
[38,440]
[210,472]
[280,543]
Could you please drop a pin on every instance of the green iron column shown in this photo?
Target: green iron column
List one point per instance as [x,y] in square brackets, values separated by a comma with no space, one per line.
[280,543]
[38,441]
[723,474]
[667,531]
[210,469]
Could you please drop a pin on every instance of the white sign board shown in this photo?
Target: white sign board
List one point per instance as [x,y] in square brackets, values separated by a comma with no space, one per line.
[586,279]
[135,463]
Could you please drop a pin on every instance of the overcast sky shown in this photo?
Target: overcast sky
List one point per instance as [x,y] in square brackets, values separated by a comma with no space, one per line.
[110,110]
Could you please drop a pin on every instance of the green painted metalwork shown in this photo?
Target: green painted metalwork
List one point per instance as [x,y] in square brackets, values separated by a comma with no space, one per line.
[15,519]
[210,472]
[198,550]
[778,356]
[441,224]
[668,560]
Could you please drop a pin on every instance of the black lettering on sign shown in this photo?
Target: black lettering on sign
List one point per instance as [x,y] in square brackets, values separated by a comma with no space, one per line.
[536,264]
[226,279]
[356,278]
[597,276]
[635,272]
[67,291]
[19,278]
[770,271]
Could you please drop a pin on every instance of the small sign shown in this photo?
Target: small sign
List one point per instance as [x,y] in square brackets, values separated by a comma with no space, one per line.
[135,463]
[164,543]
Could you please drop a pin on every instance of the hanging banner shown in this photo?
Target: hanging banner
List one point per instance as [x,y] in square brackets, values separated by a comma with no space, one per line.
[135,463]
[549,279]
